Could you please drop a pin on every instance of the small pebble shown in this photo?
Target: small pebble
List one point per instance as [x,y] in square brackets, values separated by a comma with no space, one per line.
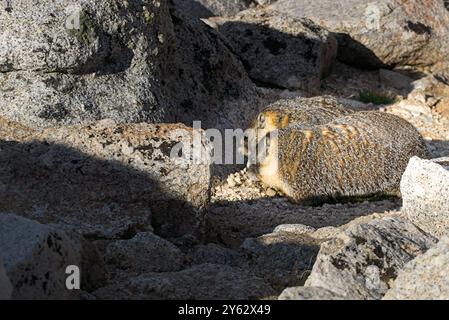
[231,182]
[270,192]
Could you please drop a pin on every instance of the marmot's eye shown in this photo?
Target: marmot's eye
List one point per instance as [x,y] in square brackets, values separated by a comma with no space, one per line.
[261,118]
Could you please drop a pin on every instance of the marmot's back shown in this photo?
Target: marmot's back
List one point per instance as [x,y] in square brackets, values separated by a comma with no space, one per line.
[300,111]
[362,154]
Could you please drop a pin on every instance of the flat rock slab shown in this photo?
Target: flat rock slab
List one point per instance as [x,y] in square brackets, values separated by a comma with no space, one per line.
[13,131]
[425,193]
[107,180]
[35,257]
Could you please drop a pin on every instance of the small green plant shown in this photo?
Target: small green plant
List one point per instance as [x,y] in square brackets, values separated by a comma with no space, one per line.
[375,97]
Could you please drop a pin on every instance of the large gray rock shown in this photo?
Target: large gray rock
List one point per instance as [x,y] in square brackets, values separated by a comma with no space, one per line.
[284,259]
[377,33]
[424,278]
[278,50]
[5,284]
[35,258]
[203,282]
[144,253]
[78,61]
[107,180]
[362,262]
[74,62]
[425,193]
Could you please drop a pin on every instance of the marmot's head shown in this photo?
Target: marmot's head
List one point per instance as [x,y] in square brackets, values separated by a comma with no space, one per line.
[272,119]
[267,121]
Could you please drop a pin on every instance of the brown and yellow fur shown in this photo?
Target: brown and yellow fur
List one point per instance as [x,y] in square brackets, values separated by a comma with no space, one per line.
[299,111]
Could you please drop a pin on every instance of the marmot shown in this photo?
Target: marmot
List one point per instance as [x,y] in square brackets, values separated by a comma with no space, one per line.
[355,156]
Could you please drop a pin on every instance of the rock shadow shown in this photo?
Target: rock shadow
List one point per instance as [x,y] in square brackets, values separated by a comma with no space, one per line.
[231,222]
[96,198]
[356,54]
[194,9]
[113,58]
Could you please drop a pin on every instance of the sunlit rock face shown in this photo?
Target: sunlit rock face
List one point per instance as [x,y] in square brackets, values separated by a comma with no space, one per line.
[395,33]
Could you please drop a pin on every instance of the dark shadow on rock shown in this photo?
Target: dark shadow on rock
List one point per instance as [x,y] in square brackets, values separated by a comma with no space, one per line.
[209,8]
[96,198]
[192,8]
[114,57]
[112,54]
[230,223]
[354,53]
[205,80]
[287,263]
[90,199]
